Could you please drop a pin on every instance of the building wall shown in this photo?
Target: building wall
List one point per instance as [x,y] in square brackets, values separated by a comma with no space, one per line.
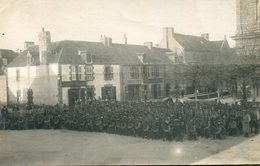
[3,89]
[100,82]
[248,27]
[248,16]
[128,81]
[41,79]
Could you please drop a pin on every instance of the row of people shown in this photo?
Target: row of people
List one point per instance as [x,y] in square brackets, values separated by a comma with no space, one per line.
[158,120]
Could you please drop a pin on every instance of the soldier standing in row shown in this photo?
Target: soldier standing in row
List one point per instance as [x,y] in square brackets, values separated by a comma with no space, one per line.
[4,115]
[246,123]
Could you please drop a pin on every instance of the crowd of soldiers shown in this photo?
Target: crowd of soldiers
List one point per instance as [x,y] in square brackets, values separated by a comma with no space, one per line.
[151,120]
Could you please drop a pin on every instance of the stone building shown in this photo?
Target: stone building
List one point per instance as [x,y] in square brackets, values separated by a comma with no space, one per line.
[247,35]
[247,48]
[65,71]
[6,56]
[188,52]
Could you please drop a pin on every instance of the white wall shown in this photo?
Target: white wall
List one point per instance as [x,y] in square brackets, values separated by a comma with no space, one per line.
[3,90]
[99,81]
[41,79]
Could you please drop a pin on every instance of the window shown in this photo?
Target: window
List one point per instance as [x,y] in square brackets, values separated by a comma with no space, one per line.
[73,73]
[155,71]
[134,72]
[90,92]
[156,91]
[17,75]
[89,73]
[142,57]
[146,72]
[81,73]
[108,93]
[89,57]
[86,56]
[108,73]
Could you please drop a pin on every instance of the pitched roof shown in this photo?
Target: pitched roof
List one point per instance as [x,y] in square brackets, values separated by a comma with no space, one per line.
[8,54]
[194,43]
[66,52]
[220,44]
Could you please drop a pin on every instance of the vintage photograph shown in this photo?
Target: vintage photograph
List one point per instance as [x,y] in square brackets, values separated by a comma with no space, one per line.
[129,82]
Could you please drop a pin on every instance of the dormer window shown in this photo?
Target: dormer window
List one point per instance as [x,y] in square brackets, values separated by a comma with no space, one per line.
[174,57]
[86,56]
[142,57]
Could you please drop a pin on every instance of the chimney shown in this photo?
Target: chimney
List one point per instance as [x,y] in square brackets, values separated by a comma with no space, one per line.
[149,45]
[125,39]
[168,33]
[205,36]
[28,44]
[107,41]
[44,46]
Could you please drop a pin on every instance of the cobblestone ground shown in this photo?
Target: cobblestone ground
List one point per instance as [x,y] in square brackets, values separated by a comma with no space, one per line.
[51,147]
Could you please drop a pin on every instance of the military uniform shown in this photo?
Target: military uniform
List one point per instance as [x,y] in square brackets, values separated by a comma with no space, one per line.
[192,134]
[4,115]
[246,124]
[138,126]
[167,135]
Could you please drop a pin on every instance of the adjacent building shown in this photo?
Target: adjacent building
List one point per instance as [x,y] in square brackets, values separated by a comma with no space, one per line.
[67,71]
[247,35]
[6,56]
[186,51]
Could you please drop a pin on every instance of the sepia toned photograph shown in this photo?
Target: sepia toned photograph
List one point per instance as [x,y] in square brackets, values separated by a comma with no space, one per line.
[129,82]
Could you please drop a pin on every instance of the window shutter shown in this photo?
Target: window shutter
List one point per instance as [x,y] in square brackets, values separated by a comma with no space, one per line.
[114,92]
[70,73]
[152,91]
[103,90]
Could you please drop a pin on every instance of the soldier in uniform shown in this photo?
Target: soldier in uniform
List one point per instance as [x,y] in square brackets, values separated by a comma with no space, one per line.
[254,120]
[232,127]
[246,123]
[146,130]
[47,122]
[155,129]
[219,131]
[130,127]
[14,120]
[4,115]
[82,123]
[99,126]
[39,121]
[192,134]
[137,128]
[123,126]
[30,121]
[21,123]
[111,125]
[56,122]
[167,135]
[90,126]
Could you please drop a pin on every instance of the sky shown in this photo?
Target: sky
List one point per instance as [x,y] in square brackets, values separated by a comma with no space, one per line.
[140,20]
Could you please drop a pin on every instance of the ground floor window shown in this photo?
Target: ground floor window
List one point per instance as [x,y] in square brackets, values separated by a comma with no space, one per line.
[156,91]
[168,90]
[76,96]
[134,92]
[90,92]
[108,93]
